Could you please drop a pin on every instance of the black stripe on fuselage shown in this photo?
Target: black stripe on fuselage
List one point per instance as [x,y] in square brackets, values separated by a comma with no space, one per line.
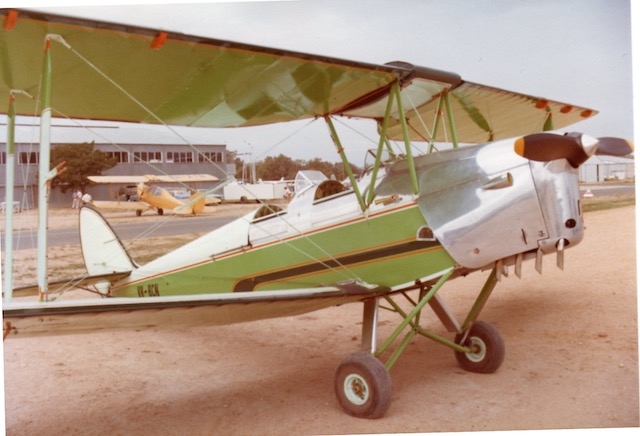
[250,283]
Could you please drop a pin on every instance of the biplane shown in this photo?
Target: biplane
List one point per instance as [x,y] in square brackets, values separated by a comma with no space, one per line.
[504,191]
[150,196]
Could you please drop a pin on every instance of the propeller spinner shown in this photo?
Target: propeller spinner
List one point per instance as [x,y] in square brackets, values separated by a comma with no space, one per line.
[576,148]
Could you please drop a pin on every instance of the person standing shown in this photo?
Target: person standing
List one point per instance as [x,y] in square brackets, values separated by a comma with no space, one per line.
[77,195]
[86,198]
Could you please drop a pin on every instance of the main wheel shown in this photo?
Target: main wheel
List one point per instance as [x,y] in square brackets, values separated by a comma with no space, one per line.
[363,386]
[487,349]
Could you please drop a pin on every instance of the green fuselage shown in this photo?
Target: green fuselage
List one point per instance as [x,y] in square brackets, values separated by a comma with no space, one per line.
[351,249]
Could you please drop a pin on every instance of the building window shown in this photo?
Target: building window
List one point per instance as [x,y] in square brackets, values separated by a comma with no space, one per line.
[210,156]
[147,156]
[28,157]
[179,157]
[3,158]
[119,156]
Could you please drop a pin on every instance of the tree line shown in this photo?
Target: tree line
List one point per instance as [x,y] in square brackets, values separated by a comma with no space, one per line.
[283,167]
[83,160]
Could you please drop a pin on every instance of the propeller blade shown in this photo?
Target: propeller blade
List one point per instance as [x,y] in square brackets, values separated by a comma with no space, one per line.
[614,147]
[544,147]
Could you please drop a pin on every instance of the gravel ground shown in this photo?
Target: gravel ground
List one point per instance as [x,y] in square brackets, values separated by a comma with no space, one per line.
[572,362]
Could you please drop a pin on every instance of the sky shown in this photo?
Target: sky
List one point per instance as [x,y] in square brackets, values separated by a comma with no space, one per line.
[573,51]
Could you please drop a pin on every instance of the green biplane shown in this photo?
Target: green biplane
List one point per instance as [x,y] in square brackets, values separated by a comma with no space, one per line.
[505,191]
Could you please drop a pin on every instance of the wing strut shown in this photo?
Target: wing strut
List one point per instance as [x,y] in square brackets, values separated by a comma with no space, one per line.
[345,162]
[394,97]
[381,144]
[44,177]
[9,192]
[452,125]
[395,89]
[8,234]
[436,124]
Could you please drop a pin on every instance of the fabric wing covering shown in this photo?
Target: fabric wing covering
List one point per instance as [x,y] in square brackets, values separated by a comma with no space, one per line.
[108,71]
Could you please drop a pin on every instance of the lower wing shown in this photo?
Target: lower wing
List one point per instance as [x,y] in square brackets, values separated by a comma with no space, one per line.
[90,315]
[56,287]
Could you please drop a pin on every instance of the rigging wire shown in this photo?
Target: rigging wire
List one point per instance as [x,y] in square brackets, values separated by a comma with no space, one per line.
[286,138]
[136,101]
[342,268]
[25,171]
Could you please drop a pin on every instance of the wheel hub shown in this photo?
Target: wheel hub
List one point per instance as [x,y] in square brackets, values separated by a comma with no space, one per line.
[356,389]
[477,350]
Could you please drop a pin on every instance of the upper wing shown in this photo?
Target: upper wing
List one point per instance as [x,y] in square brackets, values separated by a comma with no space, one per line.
[181,80]
[181,178]
[162,178]
[109,71]
[118,179]
[480,113]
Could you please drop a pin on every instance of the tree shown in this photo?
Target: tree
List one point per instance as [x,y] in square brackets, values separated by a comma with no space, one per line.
[281,166]
[278,167]
[330,169]
[324,167]
[82,160]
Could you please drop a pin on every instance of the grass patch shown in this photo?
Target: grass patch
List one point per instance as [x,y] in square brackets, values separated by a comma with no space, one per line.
[144,251]
[608,202]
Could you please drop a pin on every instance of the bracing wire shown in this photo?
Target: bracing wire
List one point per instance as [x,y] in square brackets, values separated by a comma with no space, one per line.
[343,269]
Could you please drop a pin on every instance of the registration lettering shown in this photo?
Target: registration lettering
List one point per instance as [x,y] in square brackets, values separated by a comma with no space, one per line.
[150,290]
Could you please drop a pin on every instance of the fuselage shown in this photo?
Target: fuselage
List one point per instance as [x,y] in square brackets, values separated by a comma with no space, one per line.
[476,205]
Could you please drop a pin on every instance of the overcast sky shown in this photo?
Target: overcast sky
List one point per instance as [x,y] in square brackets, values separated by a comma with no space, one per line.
[574,51]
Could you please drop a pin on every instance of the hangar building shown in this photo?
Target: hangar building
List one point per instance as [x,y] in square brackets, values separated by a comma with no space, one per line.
[139,150]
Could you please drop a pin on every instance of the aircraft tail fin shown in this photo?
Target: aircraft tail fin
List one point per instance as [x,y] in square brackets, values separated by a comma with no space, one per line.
[102,250]
[197,201]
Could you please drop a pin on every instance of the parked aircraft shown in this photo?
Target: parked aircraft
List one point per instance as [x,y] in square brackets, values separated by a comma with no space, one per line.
[151,196]
[409,224]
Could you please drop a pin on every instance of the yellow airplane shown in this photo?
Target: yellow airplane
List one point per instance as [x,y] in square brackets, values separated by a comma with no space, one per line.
[150,196]
[403,229]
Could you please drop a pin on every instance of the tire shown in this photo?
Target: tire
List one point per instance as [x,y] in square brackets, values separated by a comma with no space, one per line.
[160,211]
[487,346]
[138,212]
[363,386]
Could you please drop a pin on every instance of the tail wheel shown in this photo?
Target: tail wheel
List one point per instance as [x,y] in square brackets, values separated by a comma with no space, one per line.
[160,211]
[487,349]
[363,386]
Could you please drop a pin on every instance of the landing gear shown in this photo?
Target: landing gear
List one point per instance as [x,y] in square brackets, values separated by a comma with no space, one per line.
[486,349]
[363,386]
[362,382]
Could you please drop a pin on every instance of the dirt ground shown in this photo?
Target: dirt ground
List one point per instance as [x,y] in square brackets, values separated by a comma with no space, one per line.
[572,362]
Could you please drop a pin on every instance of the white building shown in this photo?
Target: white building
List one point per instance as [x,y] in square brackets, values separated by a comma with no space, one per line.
[607,168]
[139,149]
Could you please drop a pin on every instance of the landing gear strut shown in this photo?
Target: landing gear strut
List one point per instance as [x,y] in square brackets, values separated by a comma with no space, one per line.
[362,382]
